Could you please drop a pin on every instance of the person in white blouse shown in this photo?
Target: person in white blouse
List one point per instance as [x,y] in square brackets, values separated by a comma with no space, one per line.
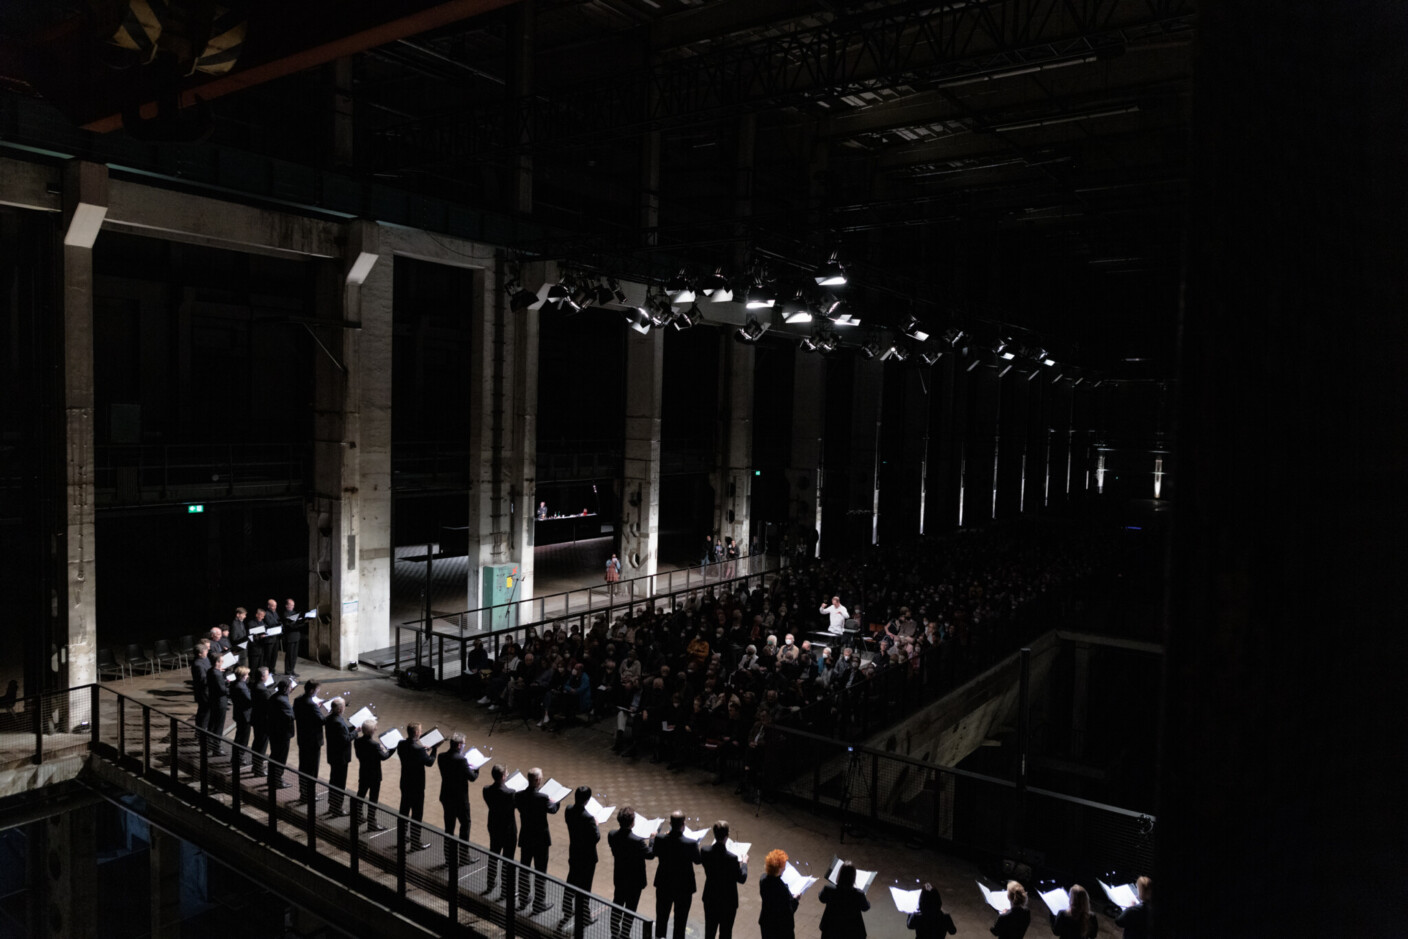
[838,614]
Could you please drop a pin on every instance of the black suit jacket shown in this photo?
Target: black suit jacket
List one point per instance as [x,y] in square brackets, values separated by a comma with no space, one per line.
[370,755]
[629,852]
[414,759]
[339,736]
[778,906]
[239,631]
[675,858]
[259,707]
[241,701]
[309,721]
[582,835]
[1012,924]
[533,811]
[842,918]
[503,825]
[455,777]
[280,717]
[722,874]
[217,688]
[200,681]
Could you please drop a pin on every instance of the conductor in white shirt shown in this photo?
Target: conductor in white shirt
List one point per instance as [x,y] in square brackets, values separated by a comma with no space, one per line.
[838,613]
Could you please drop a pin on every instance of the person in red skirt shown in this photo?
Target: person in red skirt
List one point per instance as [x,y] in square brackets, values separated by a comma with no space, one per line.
[613,573]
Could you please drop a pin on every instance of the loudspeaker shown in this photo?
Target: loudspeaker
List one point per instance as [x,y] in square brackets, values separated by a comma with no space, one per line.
[418,677]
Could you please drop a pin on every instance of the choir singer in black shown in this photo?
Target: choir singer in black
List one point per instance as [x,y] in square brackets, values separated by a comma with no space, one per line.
[533,841]
[582,838]
[455,777]
[675,857]
[723,872]
[629,852]
[339,735]
[414,759]
[503,826]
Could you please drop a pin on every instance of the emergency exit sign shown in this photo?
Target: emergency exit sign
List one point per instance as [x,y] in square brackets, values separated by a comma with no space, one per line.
[195,510]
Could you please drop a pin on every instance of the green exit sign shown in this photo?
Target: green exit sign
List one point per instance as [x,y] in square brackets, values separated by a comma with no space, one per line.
[195,510]
[757,472]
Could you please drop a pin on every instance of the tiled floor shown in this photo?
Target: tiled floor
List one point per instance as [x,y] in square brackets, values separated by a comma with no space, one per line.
[582,755]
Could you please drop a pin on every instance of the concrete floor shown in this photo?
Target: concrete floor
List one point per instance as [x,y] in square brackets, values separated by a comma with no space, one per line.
[582,755]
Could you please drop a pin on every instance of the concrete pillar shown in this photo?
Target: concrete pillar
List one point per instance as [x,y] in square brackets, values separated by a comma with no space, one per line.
[521,462]
[804,472]
[85,206]
[640,490]
[165,865]
[869,397]
[350,512]
[733,456]
[65,862]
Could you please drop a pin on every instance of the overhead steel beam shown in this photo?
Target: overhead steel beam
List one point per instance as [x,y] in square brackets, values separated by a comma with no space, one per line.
[312,33]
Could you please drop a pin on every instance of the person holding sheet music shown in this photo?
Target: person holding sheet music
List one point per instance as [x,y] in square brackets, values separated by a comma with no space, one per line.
[293,634]
[219,643]
[219,693]
[1012,923]
[534,839]
[259,642]
[308,719]
[414,759]
[629,852]
[281,727]
[583,835]
[723,872]
[455,776]
[675,857]
[931,922]
[1137,920]
[503,825]
[371,753]
[239,635]
[844,905]
[338,734]
[776,919]
[242,706]
[1076,921]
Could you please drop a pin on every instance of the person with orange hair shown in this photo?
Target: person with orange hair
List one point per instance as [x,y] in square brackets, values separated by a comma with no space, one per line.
[775,921]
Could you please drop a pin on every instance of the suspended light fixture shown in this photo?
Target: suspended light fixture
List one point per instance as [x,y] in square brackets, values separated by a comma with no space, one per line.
[913,329]
[894,352]
[716,287]
[679,289]
[870,350]
[831,274]
[930,358]
[759,297]
[684,319]
[750,331]
[808,344]
[796,310]
[519,297]
[638,319]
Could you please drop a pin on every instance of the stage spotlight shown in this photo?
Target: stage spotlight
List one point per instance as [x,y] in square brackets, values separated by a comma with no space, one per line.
[894,352]
[831,274]
[843,315]
[638,319]
[519,298]
[930,358]
[716,287]
[913,330]
[954,336]
[679,289]
[684,319]
[601,294]
[827,343]
[870,350]
[807,344]
[750,331]
[1003,349]
[796,310]
[759,297]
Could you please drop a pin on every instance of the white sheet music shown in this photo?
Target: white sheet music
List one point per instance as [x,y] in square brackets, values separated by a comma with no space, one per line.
[311,613]
[554,790]
[363,714]
[258,630]
[694,834]
[269,682]
[598,811]
[391,738]
[738,849]
[906,901]
[645,827]
[794,880]
[517,782]
[476,758]
[229,660]
[431,738]
[863,878]
[1057,899]
[1123,896]
[231,676]
[242,645]
[997,899]
[322,705]
[274,631]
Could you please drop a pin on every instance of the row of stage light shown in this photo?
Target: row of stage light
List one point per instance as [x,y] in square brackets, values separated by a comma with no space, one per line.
[831,321]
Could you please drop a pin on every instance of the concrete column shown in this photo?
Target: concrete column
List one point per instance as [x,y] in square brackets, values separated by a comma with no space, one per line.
[66,866]
[733,457]
[165,865]
[640,508]
[520,462]
[350,514]
[85,207]
[869,393]
[804,472]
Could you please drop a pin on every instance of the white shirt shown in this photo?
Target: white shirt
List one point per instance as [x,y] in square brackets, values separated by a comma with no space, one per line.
[838,615]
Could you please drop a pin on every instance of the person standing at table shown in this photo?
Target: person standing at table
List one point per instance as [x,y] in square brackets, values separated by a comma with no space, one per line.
[534,839]
[308,719]
[931,922]
[1076,921]
[503,825]
[629,852]
[242,707]
[776,919]
[339,736]
[371,753]
[1012,922]
[582,838]
[675,857]
[542,511]
[844,905]
[723,872]
[414,759]
[281,725]
[455,776]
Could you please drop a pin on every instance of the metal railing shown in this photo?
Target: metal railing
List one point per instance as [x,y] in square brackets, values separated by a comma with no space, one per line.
[509,622]
[138,473]
[438,887]
[969,812]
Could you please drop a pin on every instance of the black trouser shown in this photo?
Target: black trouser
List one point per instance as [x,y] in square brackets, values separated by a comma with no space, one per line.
[537,891]
[630,899]
[278,753]
[291,641]
[202,713]
[500,843]
[308,759]
[369,789]
[456,814]
[216,724]
[720,919]
[241,738]
[337,781]
[663,902]
[260,747]
[413,804]
[578,875]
